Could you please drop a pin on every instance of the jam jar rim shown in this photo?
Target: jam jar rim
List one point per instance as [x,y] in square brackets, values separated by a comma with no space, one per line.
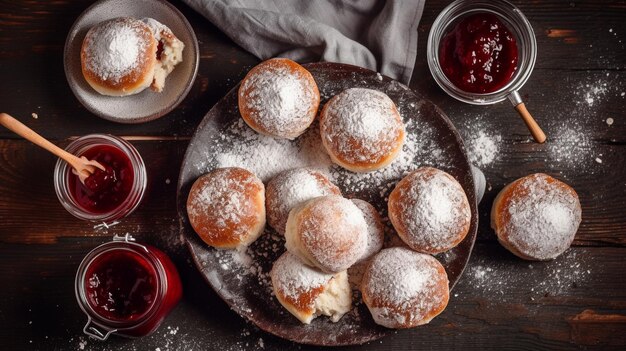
[132,201]
[514,20]
[81,296]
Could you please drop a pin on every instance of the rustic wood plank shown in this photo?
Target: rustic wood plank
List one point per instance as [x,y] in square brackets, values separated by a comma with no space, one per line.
[26,185]
[24,188]
[40,49]
[577,300]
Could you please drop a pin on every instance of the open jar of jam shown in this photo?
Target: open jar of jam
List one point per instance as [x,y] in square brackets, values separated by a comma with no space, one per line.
[107,194]
[126,288]
[483,52]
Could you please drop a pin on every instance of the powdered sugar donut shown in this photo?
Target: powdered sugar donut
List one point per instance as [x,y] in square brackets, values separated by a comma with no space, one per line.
[307,292]
[291,188]
[404,288]
[429,210]
[279,98]
[375,228]
[361,129]
[536,217]
[327,232]
[118,56]
[124,55]
[226,207]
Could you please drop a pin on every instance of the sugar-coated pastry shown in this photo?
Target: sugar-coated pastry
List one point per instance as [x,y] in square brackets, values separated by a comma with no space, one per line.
[169,52]
[118,56]
[279,98]
[403,288]
[291,188]
[375,228]
[327,232]
[124,55]
[361,129]
[226,207]
[307,292]
[536,217]
[430,211]
[375,240]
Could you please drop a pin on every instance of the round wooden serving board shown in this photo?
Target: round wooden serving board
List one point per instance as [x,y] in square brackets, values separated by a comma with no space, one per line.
[241,278]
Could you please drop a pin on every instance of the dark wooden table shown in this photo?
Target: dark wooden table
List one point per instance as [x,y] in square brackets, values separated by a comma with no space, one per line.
[576,301]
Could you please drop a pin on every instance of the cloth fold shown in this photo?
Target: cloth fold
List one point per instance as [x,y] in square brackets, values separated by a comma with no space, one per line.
[376,34]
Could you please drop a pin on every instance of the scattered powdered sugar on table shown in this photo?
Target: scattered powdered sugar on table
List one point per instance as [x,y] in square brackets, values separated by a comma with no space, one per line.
[481,141]
[504,279]
[594,92]
[570,145]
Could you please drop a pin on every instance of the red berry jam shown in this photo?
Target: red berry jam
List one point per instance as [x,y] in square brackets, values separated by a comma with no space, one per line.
[121,285]
[126,288]
[479,55]
[104,191]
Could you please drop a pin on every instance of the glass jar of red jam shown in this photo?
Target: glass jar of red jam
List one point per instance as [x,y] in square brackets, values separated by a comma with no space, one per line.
[107,194]
[126,288]
[481,52]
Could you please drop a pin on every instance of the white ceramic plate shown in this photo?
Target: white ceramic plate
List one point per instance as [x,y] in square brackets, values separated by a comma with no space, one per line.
[147,105]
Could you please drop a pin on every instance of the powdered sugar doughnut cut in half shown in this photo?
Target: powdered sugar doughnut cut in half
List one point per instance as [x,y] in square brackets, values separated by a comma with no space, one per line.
[307,292]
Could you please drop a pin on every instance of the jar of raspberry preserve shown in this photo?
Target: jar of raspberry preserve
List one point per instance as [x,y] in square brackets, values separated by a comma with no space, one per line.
[126,288]
[107,194]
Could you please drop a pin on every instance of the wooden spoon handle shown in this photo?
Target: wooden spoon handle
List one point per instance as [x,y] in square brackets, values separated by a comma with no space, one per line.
[532,125]
[22,130]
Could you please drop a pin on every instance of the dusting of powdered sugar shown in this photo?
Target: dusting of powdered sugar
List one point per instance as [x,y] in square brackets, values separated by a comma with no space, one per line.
[375,228]
[240,146]
[292,278]
[542,223]
[432,209]
[279,99]
[242,277]
[419,149]
[221,199]
[482,140]
[505,280]
[114,48]
[402,286]
[290,189]
[361,126]
[331,229]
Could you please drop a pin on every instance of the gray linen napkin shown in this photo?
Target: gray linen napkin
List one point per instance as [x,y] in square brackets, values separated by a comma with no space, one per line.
[376,34]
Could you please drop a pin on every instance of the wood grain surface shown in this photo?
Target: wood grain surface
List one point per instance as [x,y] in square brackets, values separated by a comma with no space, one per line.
[577,301]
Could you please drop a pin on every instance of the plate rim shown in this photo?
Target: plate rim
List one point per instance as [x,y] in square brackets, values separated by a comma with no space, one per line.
[146,118]
[385,331]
